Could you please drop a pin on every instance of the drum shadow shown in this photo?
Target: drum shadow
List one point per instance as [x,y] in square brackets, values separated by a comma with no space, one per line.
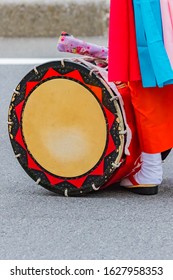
[111,191]
[114,191]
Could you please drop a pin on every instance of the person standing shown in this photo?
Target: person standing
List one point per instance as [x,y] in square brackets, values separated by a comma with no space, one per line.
[138,57]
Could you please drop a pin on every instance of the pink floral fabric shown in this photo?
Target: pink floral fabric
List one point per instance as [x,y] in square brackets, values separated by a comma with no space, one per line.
[68,43]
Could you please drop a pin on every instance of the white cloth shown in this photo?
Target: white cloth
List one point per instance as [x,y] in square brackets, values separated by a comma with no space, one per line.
[151,171]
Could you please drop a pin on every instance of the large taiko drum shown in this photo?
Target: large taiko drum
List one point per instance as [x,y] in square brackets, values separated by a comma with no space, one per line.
[67,128]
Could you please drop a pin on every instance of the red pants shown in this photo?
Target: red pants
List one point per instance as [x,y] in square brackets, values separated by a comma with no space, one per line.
[154,116]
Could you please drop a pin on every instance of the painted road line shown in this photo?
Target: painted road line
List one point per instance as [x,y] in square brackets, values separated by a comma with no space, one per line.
[25,61]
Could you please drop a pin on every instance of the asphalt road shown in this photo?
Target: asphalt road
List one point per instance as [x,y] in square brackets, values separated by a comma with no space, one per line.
[38,224]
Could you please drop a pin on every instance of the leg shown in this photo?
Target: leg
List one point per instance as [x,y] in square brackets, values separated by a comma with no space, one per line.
[153,111]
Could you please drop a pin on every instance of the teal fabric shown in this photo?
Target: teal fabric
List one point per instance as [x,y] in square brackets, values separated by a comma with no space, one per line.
[154,63]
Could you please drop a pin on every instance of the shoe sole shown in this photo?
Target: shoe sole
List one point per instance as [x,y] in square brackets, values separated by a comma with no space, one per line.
[143,189]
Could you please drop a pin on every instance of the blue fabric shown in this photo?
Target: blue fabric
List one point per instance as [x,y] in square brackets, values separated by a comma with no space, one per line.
[154,63]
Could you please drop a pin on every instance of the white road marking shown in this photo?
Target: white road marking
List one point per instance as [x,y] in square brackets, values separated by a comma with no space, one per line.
[25,61]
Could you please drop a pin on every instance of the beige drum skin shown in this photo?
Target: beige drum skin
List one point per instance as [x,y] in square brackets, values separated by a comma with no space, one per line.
[64,127]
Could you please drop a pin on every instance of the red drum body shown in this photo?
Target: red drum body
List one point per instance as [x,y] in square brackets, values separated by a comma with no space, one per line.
[68,131]
[131,162]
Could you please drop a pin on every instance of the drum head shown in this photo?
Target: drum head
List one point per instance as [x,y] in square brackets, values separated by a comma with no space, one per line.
[64,130]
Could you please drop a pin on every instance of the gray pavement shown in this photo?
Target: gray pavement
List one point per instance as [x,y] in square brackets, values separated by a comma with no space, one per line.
[38,224]
[38,47]
[30,18]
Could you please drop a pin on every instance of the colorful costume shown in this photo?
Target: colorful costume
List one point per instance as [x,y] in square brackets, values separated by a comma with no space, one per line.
[154,62]
[153,106]
[151,86]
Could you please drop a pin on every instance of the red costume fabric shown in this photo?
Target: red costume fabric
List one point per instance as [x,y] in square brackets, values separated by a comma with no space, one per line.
[123,56]
[154,116]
